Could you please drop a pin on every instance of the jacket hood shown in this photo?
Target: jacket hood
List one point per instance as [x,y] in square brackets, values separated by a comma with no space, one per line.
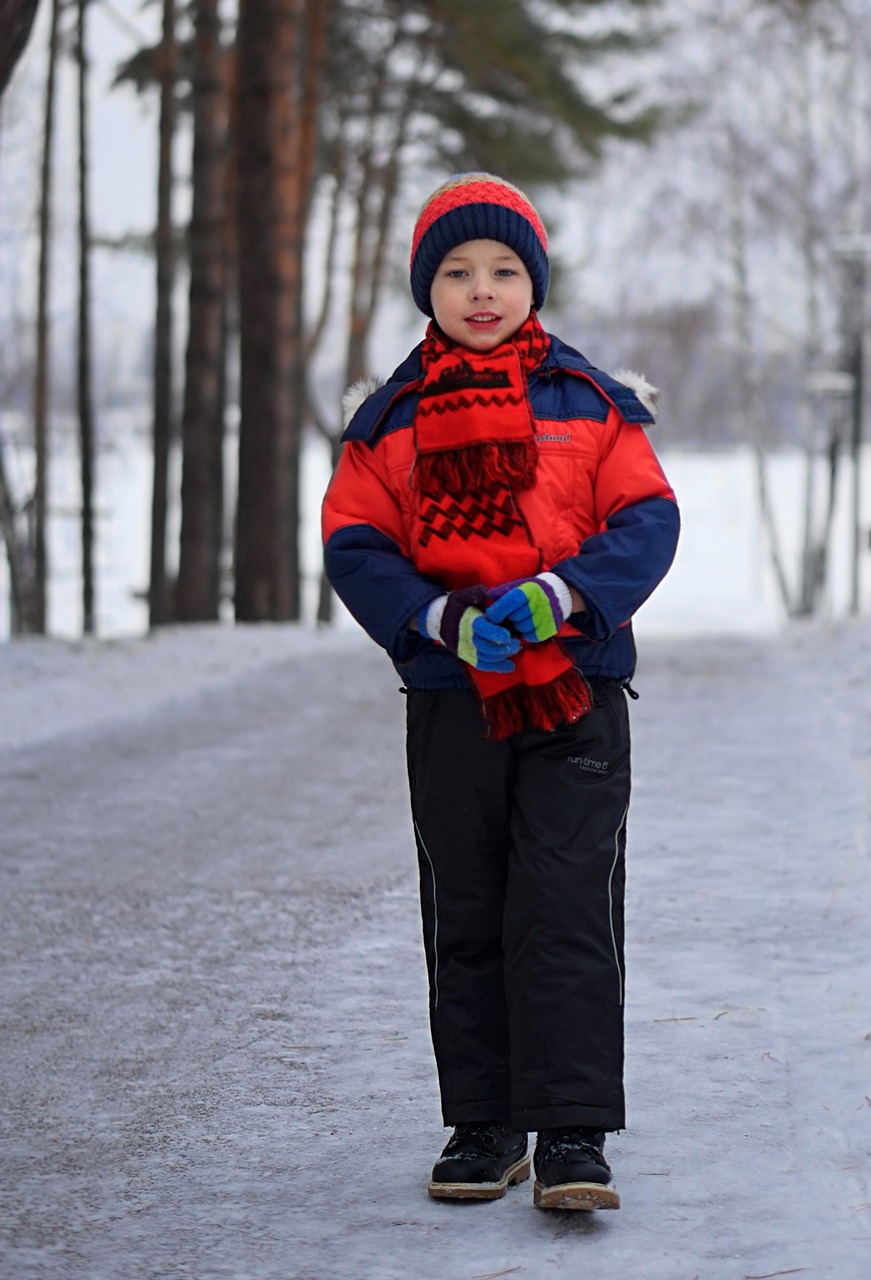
[634,396]
[646,392]
[355,396]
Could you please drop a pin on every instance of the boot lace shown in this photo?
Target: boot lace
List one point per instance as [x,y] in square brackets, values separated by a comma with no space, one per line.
[474,1137]
[562,1143]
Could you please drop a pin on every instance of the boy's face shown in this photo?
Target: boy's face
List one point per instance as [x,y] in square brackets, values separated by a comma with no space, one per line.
[481,294]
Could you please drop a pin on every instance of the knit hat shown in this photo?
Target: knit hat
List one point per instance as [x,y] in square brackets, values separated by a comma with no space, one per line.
[477,206]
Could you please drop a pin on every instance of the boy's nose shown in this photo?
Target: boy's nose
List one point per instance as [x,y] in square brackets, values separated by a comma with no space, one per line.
[482,287]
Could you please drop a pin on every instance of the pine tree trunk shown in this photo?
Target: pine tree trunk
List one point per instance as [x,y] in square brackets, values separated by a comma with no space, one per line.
[84,387]
[16,23]
[198,587]
[270,279]
[36,614]
[158,591]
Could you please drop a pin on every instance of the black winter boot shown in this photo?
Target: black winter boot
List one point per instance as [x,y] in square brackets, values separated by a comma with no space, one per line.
[571,1171]
[480,1162]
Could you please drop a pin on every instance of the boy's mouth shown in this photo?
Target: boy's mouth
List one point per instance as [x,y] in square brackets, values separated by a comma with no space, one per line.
[483,318]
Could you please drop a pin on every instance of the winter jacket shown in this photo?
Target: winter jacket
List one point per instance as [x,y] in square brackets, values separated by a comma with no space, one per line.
[601,513]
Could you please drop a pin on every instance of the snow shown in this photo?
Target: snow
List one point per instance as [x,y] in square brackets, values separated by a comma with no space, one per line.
[215,1057]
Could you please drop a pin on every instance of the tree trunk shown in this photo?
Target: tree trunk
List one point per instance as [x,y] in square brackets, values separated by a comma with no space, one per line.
[812,568]
[317,18]
[358,327]
[16,23]
[325,590]
[20,581]
[230,327]
[854,361]
[270,280]
[326,429]
[197,595]
[158,591]
[36,618]
[748,372]
[84,387]
[381,169]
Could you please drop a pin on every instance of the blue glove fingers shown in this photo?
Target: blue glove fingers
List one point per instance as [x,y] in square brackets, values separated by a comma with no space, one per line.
[493,641]
[463,629]
[503,665]
[513,607]
[485,646]
[494,646]
[532,609]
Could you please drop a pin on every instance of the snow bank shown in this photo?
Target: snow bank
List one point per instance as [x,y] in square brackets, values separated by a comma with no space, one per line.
[48,687]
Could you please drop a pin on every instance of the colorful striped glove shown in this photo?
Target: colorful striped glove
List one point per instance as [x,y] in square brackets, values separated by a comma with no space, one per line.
[535,608]
[457,621]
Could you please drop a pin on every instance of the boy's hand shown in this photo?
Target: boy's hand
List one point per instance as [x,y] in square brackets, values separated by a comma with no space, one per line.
[457,620]
[535,608]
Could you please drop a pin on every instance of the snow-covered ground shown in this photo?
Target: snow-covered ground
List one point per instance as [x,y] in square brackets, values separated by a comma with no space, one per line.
[214,1055]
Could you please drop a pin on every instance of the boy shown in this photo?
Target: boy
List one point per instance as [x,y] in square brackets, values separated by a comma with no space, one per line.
[496,518]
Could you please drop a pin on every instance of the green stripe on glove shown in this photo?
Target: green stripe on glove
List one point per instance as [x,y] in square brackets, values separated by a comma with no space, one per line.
[535,608]
[458,622]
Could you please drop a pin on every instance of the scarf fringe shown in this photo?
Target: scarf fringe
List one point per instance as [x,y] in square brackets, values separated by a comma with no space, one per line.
[561,702]
[478,467]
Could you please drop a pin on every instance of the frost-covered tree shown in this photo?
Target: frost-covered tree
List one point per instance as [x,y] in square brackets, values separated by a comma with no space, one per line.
[746,212]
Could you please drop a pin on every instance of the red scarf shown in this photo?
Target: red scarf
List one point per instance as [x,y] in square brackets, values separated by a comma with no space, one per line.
[476,450]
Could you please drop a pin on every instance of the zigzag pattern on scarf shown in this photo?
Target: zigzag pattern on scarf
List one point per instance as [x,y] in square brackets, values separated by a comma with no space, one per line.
[472,516]
[454,404]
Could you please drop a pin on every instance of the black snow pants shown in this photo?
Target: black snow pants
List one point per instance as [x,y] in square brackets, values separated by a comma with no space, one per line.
[521,850]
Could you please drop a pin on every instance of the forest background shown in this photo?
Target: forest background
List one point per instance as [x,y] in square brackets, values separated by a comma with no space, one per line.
[702,168]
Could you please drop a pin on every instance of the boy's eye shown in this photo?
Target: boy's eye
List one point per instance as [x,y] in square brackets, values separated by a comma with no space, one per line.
[459,273]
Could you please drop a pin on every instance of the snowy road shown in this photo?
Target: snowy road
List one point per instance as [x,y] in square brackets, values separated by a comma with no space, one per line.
[214,1056]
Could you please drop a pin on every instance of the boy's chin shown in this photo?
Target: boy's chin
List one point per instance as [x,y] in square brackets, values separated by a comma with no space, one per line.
[483,344]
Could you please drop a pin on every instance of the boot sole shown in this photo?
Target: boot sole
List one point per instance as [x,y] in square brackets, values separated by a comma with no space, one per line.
[576,1195]
[518,1172]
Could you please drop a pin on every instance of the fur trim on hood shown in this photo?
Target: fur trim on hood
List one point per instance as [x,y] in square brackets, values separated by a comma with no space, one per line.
[360,391]
[645,391]
[356,394]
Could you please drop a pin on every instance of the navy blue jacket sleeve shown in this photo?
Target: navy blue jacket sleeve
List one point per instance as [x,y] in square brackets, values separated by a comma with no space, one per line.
[616,570]
[379,586]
